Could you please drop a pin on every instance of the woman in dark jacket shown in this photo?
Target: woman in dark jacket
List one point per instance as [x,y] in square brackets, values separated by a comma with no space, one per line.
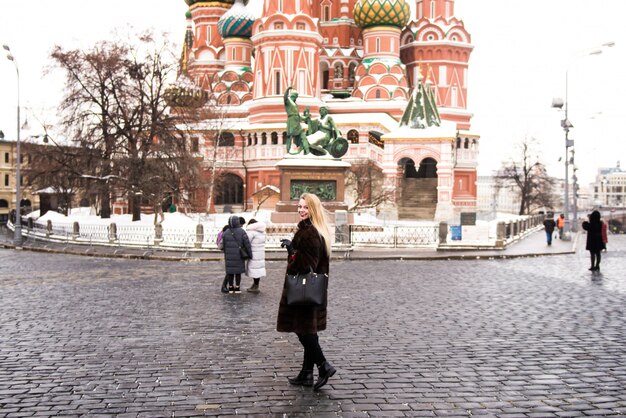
[310,248]
[594,239]
[235,238]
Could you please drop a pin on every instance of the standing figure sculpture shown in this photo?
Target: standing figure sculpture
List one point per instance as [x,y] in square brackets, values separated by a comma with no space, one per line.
[294,129]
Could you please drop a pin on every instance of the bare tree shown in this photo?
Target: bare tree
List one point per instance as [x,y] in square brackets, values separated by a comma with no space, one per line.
[365,183]
[116,110]
[528,175]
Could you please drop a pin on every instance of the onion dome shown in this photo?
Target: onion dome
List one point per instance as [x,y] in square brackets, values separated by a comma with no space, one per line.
[184,93]
[188,14]
[237,22]
[369,13]
[192,2]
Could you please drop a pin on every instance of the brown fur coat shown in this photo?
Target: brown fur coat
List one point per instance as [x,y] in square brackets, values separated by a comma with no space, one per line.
[309,251]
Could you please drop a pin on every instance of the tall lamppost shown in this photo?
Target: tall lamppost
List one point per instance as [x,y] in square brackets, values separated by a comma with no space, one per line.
[17,235]
[569,143]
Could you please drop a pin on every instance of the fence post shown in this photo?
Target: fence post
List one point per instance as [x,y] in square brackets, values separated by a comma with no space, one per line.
[112,232]
[48,228]
[443,232]
[158,234]
[199,235]
[500,234]
[75,230]
[31,223]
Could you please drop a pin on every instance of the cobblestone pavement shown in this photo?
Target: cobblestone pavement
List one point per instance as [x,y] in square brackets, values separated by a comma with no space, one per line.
[527,337]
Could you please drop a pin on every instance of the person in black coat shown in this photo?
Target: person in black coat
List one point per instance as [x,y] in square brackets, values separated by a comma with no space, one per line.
[595,244]
[309,249]
[549,225]
[235,240]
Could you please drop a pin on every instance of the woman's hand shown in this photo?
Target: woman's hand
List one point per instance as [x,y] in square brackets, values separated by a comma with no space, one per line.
[285,243]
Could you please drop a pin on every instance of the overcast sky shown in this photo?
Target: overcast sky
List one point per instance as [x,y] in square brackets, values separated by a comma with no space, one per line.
[522,50]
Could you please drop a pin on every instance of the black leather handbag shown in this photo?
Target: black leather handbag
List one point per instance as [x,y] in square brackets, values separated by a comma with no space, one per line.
[242,250]
[308,289]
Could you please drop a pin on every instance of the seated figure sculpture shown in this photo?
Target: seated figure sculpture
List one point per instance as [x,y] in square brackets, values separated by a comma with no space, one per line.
[321,132]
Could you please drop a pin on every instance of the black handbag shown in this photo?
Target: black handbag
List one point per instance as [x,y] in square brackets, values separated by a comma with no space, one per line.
[308,289]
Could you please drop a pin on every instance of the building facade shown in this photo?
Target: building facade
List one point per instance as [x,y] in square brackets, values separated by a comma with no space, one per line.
[29,201]
[609,189]
[360,59]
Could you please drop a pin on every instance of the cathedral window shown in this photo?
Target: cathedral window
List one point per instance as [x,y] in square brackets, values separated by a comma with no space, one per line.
[335,40]
[443,75]
[274,138]
[353,136]
[351,71]
[280,5]
[226,139]
[301,26]
[377,44]
[277,85]
[432,9]
[278,26]
[454,100]
[326,13]
[195,145]
[263,138]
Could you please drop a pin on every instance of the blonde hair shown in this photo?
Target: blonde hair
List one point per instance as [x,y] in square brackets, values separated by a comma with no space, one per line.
[317,215]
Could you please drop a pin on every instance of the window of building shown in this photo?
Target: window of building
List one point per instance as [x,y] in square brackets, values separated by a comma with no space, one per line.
[277,86]
[6,157]
[208,35]
[226,139]
[284,137]
[443,75]
[377,44]
[263,138]
[6,179]
[326,13]
[432,9]
[378,93]
[419,9]
[353,136]
[301,26]
[351,41]
[274,138]
[195,145]
[278,26]
[454,100]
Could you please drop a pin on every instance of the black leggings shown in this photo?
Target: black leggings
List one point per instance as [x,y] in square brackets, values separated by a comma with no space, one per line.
[596,256]
[236,277]
[313,354]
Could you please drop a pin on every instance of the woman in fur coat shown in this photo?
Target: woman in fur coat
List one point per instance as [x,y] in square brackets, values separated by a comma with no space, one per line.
[309,249]
[255,267]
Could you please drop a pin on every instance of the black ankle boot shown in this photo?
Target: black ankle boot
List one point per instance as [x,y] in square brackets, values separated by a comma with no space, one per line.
[326,371]
[304,378]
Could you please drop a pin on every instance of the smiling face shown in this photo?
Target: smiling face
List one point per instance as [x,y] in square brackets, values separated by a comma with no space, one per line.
[303,210]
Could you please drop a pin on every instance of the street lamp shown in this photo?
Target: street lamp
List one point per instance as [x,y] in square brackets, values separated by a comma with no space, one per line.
[569,143]
[17,235]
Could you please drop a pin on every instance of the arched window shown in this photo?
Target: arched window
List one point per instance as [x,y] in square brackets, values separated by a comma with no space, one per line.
[229,190]
[326,14]
[284,137]
[353,136]
[427,169]
[263,138]
[4,203]
[226,139]
[274,138]
[351,71]
[408,168]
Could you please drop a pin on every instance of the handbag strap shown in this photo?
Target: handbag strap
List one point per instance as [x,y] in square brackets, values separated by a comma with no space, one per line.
[235,238]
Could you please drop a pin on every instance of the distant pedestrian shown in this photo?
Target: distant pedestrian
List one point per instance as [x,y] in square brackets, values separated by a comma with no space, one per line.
[549,225]
[220,246]
[309,250]
[235,244]
[560,224]
[595,243]
[255,267]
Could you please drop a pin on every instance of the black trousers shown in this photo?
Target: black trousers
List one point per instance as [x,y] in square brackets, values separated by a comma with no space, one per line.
[313,354]
[233,277]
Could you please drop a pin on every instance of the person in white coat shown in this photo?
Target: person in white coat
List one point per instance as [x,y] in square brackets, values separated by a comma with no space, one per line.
[255,267]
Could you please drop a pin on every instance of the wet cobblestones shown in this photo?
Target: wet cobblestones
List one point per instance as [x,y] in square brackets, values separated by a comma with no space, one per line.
[528,337]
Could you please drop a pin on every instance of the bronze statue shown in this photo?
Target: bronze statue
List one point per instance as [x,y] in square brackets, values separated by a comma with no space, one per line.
[294,129]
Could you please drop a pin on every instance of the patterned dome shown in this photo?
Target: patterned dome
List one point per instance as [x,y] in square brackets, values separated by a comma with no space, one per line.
[369,13]
[192,2]
[237,22]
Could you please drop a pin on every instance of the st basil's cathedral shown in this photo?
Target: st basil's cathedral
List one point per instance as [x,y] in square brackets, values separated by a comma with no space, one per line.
[361,60]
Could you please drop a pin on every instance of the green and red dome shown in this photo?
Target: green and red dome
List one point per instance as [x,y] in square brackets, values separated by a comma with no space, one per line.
[368,13]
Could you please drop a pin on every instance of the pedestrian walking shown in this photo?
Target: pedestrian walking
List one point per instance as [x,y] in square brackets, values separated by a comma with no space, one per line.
[560,224]
[309,249]
[255,267]
[236,250]
[595,243]
[549,225]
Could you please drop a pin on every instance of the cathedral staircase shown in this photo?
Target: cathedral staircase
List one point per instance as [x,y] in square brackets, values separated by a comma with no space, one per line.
[418,198]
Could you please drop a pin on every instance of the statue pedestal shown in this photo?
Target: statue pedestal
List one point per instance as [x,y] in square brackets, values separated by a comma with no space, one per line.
[323,176]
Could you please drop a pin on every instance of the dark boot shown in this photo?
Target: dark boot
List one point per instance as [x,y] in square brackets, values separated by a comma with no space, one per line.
[326,371]
[304,378]
[255,287]
[225,285]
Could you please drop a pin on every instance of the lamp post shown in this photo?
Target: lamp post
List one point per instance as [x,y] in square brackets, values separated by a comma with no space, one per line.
[17,235]
[569,143]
